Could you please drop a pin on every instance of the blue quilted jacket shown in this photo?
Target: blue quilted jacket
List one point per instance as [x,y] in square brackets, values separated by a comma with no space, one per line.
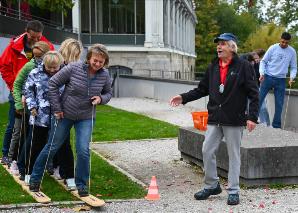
[75,100]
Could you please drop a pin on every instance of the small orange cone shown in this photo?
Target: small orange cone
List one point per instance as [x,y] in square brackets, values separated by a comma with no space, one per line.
[153,190]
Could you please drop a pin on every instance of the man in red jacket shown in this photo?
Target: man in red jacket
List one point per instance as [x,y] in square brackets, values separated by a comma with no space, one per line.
[14,57]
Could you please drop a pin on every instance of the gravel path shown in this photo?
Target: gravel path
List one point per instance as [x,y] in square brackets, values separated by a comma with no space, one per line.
[155,109]
[177,180]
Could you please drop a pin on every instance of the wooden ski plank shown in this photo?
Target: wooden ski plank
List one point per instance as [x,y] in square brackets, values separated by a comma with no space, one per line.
[40,197]
[90,200]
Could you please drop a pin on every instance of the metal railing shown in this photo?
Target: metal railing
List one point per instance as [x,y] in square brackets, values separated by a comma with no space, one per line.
[176,75]
[17,14]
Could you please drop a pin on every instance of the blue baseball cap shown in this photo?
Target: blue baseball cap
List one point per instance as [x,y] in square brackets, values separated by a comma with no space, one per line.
[226,37]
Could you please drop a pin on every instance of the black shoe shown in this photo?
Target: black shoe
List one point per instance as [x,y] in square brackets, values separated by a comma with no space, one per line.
[233,199]
[83,192]
[205,193]
[34,187]
[50,170]
[22,177]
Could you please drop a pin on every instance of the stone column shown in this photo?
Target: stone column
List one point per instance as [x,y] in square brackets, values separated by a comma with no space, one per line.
[173,31]
[167,22]
[153,23]
[76,15]
[99,21]
[177,24]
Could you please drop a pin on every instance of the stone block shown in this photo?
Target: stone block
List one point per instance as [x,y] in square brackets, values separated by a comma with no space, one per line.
[267,155]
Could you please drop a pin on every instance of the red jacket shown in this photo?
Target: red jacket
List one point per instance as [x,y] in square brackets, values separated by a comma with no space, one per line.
[13,59]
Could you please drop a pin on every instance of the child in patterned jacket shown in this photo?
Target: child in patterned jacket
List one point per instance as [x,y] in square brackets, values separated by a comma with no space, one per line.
[21,118]
[36,94]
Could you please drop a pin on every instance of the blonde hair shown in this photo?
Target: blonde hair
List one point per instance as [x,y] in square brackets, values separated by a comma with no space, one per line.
[71,50]
[98,49]
[53,57]
[43,46]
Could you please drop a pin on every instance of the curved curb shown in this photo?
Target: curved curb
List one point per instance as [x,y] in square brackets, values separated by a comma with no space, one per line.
[28,205]
[59,203]
[134,179]
[130,141]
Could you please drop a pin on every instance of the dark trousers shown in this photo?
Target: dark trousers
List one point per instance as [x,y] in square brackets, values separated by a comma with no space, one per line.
[22,160]
[9,128]
[17,140]
[39,140]
[65,160]
[30,151]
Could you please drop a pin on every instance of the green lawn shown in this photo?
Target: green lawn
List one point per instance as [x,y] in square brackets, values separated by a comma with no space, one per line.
[106,182]
[115,124]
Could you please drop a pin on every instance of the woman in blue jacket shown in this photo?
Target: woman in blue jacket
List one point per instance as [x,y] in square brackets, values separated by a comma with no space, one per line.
[86,85]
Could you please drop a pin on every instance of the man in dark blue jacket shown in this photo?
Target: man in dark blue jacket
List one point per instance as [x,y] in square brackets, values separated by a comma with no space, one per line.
[229,82]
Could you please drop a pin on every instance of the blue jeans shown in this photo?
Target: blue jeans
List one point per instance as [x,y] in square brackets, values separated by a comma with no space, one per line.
[59,131]
[10,125]
[279,86]
[264,115]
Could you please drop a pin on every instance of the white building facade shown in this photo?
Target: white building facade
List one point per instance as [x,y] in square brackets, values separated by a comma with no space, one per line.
[146,37]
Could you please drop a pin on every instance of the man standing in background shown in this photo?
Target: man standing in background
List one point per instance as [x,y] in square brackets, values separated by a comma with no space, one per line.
[273,72]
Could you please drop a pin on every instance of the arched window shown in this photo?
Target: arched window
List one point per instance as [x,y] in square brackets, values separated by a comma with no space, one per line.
[117,70]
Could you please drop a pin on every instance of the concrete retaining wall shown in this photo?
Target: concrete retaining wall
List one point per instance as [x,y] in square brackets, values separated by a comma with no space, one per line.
[163,89]
[160,89]
[267,155]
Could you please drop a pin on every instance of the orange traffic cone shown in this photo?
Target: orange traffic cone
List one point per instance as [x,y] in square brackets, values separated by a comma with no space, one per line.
[153,190]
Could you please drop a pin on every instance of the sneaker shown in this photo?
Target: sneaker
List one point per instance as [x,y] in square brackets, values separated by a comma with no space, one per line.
[233,199]
[14,168]
[70,184]
[9,162]
[27,179]
[205,193]
[83,192]
[57,174]
[5,160]
[34,187]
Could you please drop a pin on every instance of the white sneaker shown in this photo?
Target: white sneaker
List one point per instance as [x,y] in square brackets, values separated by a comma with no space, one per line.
[70,184]
[57,174]
[27,179]
[14,168]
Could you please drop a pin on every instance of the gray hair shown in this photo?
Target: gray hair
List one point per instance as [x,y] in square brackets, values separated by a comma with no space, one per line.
[232,44]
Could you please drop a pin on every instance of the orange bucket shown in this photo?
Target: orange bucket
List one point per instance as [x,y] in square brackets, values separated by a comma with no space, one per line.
[200,120]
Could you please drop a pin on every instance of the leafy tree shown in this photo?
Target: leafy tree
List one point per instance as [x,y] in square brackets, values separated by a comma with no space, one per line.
[206,30]
[241,25]
[283,13]
[53,5]
[253,7]
[289,13]
[265,36]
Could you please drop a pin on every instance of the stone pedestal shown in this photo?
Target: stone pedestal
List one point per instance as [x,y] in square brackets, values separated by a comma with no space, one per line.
[267,155]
